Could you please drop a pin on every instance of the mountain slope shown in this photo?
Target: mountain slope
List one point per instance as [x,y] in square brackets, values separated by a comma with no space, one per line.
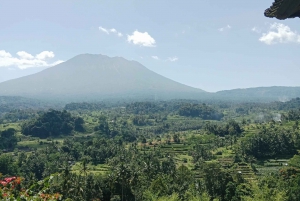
[10,103]
[90,77]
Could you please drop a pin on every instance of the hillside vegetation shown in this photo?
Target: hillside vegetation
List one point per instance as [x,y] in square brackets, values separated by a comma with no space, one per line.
[163,150]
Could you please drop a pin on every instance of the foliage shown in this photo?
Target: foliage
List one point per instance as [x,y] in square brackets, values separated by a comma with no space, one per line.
[269,142]
[19,115]
[199,110]
[143,108]
[231,128]
[84,106]
[146,151]
[295,161]
[292,115]
[7,165]
[52,123]
[8,139]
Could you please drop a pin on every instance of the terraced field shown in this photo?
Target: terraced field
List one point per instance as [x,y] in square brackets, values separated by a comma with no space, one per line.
[271,166]
[98,169]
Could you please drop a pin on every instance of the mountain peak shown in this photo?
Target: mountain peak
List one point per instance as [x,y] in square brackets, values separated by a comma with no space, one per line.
[94,76]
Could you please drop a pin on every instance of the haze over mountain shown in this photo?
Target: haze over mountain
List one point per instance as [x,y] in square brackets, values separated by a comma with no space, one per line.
[6,73]
[274,93]
[93,77]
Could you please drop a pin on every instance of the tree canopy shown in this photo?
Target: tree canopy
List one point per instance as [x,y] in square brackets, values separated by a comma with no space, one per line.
[53,123]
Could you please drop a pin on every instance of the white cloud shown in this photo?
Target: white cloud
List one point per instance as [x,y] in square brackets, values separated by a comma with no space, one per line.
[45,55]
[113,30]
[56,62]
[225,28]
[26,60]
[280,33]
[108,31]
[256,30]
[25,55]
[172,59]
[104,30]
[142,39]
[155,57]
[4,54]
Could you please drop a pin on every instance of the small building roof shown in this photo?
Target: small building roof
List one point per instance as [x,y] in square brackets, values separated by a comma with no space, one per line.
[283,9]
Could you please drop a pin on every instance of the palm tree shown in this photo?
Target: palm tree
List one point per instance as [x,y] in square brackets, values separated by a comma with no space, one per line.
[111,182]
[84,166]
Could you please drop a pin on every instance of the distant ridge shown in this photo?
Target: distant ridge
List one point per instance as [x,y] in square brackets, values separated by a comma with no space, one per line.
[274,93]
[9,103]
[89,77]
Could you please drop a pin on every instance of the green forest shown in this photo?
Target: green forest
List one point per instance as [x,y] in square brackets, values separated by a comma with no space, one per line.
[173,150]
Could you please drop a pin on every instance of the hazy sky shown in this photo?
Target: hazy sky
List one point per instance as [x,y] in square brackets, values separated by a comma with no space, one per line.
[212,45]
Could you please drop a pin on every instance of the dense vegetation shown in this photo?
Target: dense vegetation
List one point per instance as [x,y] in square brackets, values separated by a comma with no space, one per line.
[231,128]
[270,143]
[9,103]
[202,111]
[8,139]
[52,124]
[176,150]
[84,106]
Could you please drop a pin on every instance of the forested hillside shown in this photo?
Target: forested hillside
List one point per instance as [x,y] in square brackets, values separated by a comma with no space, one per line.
[9,103]
[163,150]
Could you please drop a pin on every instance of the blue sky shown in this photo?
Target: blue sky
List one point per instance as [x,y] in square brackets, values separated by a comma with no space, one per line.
[212,45]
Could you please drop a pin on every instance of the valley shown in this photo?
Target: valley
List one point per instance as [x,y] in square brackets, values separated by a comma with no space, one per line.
[163,150]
